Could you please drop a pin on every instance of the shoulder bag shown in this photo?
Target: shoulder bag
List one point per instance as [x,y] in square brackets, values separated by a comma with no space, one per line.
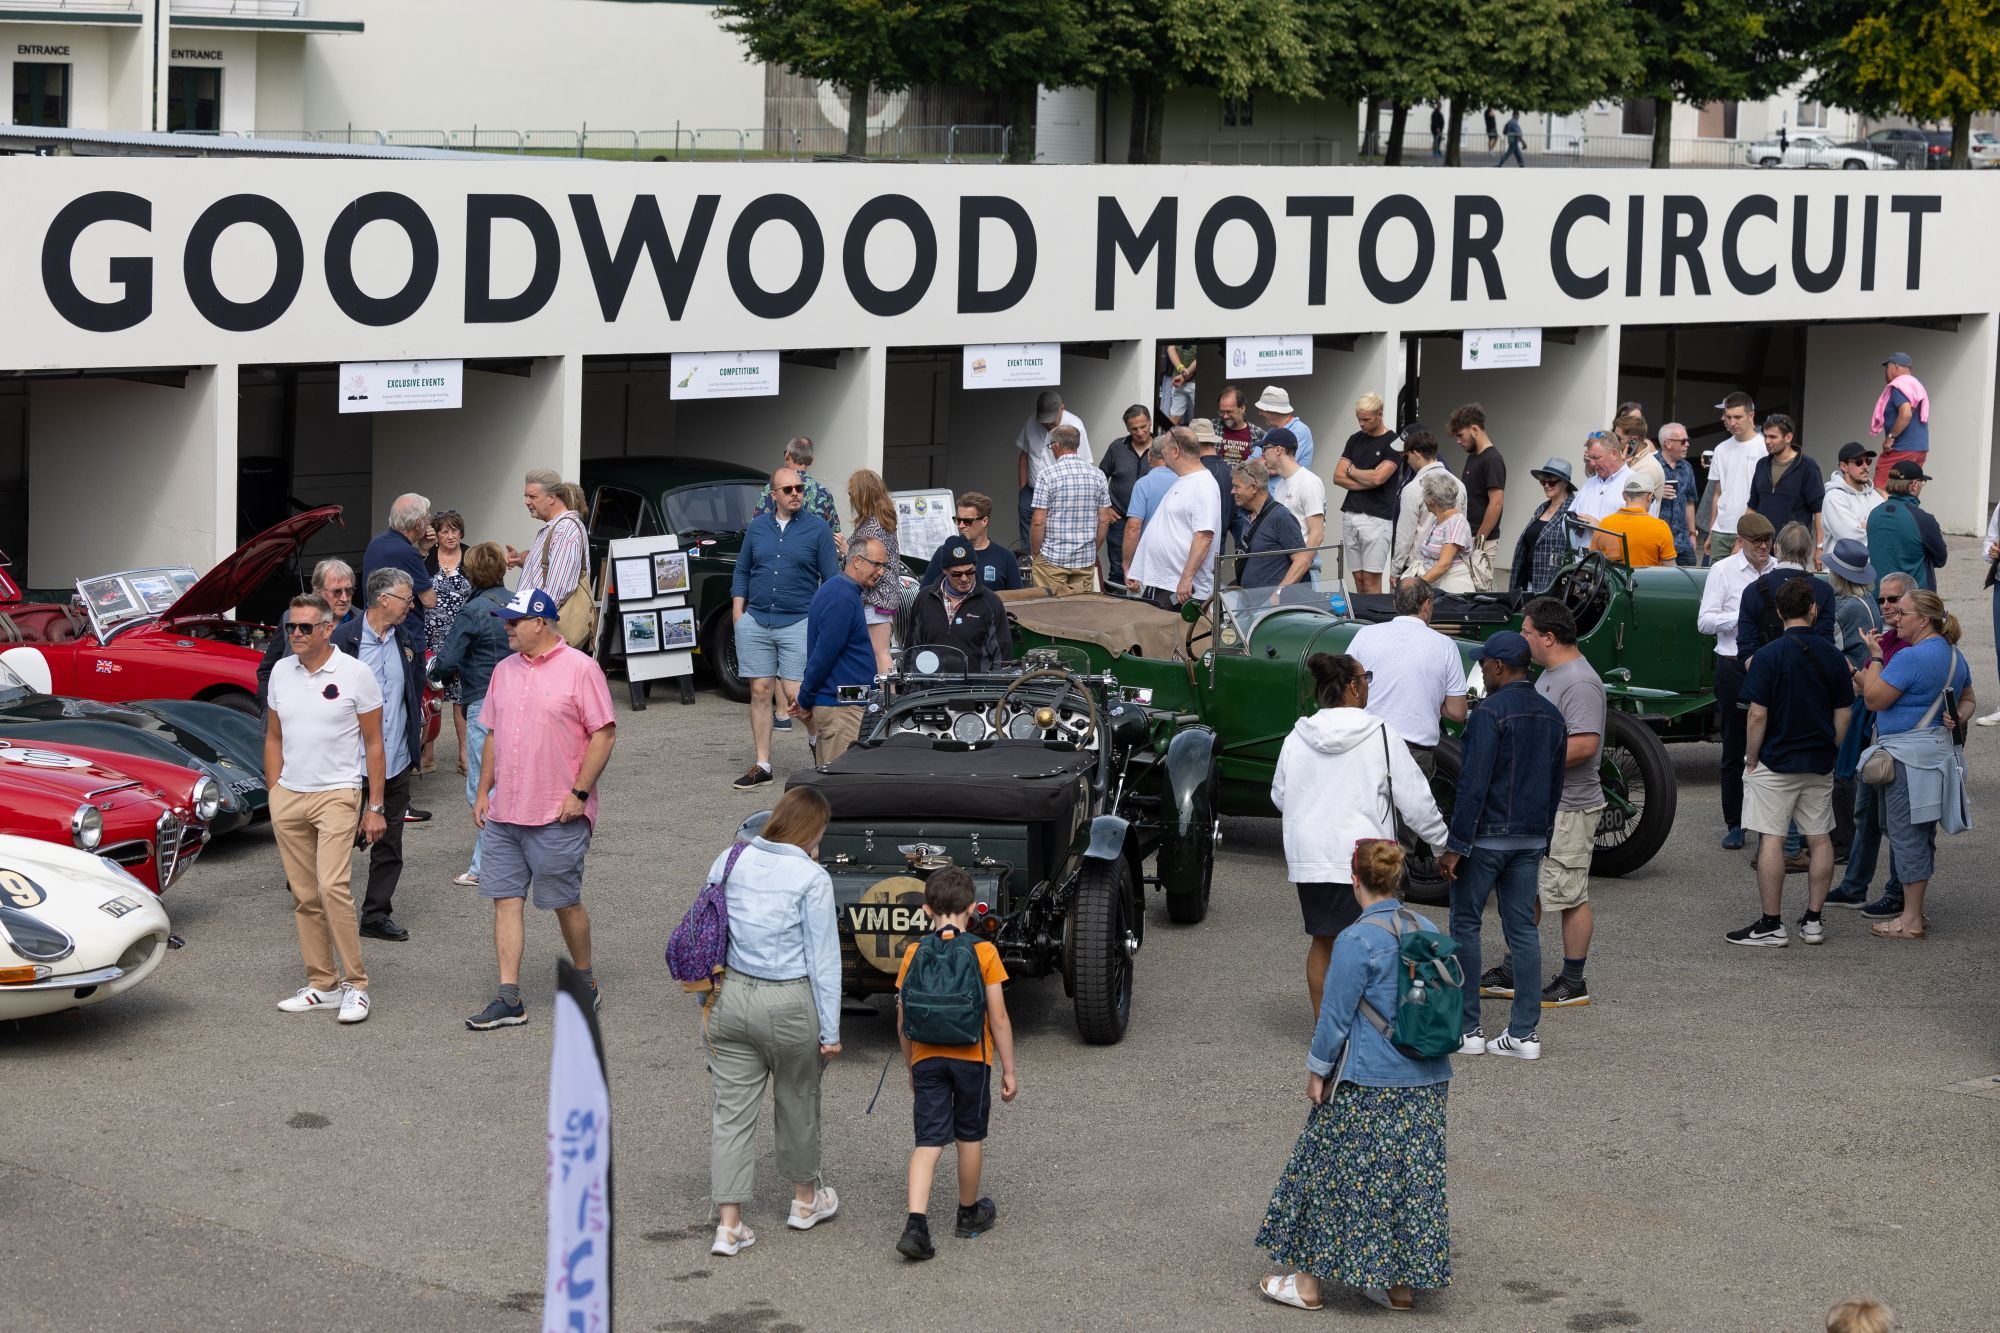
[1878,766]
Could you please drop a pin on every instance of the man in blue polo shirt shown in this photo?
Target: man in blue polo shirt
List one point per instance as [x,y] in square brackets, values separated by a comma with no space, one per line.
[839,654]
[785,557]
[397,547]
[1801,695]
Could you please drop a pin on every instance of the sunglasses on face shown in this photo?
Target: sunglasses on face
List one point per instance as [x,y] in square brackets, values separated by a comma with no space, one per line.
[790,490]
[956,574]
[342,593]
[301,626]
[967,522]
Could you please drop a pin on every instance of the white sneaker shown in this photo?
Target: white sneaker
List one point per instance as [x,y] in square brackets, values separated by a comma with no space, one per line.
[729,1243]
[353,1005]
[1474,1043]
[1521,1048]
[1992,719]
[1812,932]
[308,999]
[804,1216]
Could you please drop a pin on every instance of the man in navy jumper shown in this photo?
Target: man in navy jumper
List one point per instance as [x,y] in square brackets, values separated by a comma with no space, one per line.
[786,556]
[839,652]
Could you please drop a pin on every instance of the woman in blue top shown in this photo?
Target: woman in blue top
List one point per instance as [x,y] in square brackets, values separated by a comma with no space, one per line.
[776,1016]
[1362,1201]
[1913,722]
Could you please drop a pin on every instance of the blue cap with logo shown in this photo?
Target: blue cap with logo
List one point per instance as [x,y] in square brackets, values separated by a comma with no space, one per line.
[1507,648]
[530,602]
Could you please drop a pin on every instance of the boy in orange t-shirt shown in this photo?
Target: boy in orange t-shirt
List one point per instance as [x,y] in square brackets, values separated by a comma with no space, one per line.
[950,1086]
[1648,540]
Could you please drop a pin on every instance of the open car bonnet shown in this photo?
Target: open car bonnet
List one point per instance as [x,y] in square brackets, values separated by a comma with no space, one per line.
[245,569]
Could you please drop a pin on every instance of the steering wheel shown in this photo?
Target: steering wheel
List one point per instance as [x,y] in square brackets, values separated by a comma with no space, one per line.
[1070,683]
[1583,584]
[1200,628]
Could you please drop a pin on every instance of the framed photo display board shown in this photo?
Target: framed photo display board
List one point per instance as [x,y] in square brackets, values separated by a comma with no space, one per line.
[652,622]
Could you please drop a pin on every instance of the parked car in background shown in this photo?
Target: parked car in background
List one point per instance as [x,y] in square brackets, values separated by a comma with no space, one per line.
[148,816]
[75,929]
[1815,151]
[1911,148]
[1984,150]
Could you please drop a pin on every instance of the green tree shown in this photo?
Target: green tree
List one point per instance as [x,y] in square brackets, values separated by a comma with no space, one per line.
[1930,60]
[1700,51]
[858,45]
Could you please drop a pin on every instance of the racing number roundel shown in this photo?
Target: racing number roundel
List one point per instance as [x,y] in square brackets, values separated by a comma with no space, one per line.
[888,920]
[17,890]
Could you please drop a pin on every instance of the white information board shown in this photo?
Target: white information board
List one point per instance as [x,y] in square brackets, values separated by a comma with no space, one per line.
[1011,365]
[924,521]
[1497,349]
[1267,358]
[400,386]
[723,375]
[651,618]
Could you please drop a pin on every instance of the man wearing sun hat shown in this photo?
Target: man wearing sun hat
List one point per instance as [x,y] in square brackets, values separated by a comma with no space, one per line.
[549,732]
[1275,406]
[959,611]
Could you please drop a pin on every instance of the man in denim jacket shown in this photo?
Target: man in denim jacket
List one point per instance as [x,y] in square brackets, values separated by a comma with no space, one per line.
[1510,781]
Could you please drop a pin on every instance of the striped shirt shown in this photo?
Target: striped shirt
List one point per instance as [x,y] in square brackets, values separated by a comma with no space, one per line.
[1072,491]
[555,557]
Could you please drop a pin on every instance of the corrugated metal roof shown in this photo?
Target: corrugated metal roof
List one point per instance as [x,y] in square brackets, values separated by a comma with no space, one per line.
[128,143]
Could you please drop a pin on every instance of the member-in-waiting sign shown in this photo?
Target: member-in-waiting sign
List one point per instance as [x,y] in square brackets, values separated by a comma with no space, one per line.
[401,386]
[1265,358]
[1011,365]
[1490,349]
[723,375]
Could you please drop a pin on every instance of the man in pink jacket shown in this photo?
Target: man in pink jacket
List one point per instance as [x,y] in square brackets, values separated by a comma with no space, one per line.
[1902,418]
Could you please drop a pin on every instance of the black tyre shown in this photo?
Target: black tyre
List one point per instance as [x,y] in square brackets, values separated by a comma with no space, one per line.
[237,701]
[1187,860]
[1100,964]
[1639,794]
[1423,879]
[1854,164]
[718,654]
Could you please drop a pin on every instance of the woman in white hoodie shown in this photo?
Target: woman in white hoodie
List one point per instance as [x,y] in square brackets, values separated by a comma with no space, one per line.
[1344,775]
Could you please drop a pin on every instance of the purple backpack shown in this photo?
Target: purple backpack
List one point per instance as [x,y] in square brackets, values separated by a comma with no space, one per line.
[698,950]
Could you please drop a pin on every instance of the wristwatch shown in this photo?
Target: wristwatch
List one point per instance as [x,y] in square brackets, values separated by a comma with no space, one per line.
[378,809]
[579,793]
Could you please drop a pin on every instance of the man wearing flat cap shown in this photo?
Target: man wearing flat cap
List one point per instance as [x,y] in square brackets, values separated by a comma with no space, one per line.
[958,611]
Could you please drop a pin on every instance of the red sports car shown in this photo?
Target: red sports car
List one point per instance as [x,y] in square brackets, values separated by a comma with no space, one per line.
[149,817]
[158,633]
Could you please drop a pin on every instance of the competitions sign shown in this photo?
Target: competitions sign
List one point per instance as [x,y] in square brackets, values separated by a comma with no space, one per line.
[1499,349]
[400,386]
[923,521]
[723,375]
[1012,365]
[1269,357]
[576,1284]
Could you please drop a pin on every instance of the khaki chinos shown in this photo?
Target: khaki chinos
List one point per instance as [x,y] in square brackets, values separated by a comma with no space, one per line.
[838,726]
[315,832]
[762,1032]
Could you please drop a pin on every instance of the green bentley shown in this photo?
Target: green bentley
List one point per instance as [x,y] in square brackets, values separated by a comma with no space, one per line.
[1237,664]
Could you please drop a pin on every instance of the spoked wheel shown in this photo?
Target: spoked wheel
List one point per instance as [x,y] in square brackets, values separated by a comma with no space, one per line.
[1100,951]
[1639,797]
[1424,879]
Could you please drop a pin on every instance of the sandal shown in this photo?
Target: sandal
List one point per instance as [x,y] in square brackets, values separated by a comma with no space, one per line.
[1284,1289]
[1893,930]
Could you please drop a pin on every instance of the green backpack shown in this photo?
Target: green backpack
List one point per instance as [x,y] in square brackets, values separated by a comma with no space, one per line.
[1430,990]
[944,993]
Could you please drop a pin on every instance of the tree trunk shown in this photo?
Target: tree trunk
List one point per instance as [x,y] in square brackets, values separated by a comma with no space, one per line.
[1156,124]
[1961,140]
[1451,133]
[857,121]
[1371,130]
[1663,132]
[1021,139]
[1399,118]
[1143,96]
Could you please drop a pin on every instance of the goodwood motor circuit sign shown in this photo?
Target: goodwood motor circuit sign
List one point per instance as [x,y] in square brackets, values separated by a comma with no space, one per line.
[142,261]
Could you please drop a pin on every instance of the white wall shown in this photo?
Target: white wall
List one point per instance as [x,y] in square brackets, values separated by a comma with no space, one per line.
[281,92]
[172,454]
[1066,125]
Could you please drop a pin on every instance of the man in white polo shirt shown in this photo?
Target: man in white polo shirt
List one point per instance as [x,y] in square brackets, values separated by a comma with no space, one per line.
[1418,676]
[1175,559]
[322,734]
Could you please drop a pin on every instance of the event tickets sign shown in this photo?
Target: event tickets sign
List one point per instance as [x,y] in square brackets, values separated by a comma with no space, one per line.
[1011,365]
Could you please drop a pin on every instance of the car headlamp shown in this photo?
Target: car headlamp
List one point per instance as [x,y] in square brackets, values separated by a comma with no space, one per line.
[33,938]
[207,798]
[86,827]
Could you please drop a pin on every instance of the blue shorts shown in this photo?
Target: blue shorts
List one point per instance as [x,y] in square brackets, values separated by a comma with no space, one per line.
[951,1100]
[764,653]
[548,856]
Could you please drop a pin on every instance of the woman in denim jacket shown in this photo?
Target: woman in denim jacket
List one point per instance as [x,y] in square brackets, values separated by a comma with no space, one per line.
[1362,1201]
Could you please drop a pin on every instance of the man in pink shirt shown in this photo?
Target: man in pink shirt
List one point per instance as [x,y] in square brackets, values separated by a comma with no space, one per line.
[549,731]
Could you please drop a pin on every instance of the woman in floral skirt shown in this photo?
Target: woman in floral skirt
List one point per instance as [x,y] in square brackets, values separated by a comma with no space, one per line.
[453,591]
[1362,1202]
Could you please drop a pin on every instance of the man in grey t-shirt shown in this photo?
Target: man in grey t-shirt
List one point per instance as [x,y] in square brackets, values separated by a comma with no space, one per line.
[1570,683]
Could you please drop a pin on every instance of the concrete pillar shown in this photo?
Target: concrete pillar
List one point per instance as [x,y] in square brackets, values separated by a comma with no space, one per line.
[1844,379]
[473,459]
[124,473]
[1532,413]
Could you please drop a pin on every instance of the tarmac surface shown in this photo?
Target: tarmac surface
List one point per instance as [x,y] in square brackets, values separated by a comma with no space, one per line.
[1725,1138]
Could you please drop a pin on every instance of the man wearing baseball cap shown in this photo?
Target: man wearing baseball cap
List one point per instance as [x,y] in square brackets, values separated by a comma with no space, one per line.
[1902,538]
[1510,784]
[1902,418]
[1033,442]
[1850,497]
[959,611]
[549,732]
[1648,540]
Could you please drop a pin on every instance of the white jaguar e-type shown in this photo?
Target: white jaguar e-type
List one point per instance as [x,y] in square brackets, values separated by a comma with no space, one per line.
[74,928]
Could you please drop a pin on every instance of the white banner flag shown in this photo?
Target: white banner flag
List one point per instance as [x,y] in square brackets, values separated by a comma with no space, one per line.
[576,1291]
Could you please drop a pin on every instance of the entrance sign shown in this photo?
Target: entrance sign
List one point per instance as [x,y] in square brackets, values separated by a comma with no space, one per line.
[1011,365]
[1497,349]
[1269,358]
[924,521]
[723,375]
[401,386]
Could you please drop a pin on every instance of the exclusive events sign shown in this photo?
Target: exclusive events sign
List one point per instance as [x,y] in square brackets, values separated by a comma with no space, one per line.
[1011,365]
[723,375]
[401,386]
[1496,349]
[1264,357]
[143,262]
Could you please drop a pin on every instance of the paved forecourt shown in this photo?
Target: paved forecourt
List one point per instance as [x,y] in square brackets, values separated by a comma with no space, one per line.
[1724,1138]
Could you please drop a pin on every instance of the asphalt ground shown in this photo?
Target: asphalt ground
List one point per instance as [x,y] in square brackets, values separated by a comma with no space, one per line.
[1724,1139]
